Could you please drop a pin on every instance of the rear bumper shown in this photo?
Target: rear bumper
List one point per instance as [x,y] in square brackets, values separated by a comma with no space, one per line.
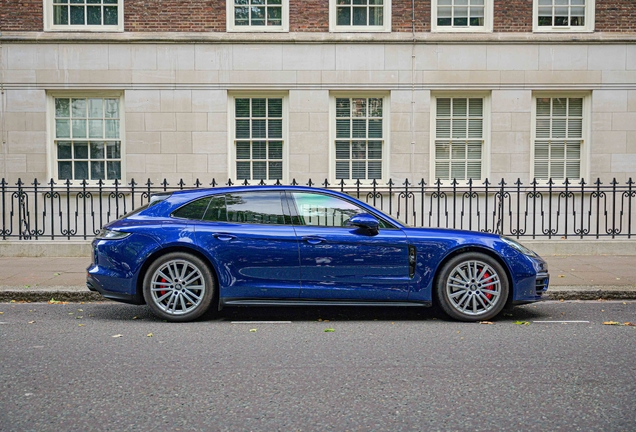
[93,284]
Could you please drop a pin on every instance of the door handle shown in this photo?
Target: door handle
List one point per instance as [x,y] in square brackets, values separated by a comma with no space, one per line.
[314,240]
[223,236]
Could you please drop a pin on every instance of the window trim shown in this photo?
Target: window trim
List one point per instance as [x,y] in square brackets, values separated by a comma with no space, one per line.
[486,150]
[586,129]
[590,9]
[335,28]
[486,28]
[51,156]
[232,28]
[49,26]
[386,132]
[231,161]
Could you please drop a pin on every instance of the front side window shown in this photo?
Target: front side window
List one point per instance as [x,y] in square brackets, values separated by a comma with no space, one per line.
[564,15]
[87,142]
[258,15]
[459,138]
[84,15]
[323,210]
[462,15]
[258,138]
[558,137]
[359,138]
[360,15]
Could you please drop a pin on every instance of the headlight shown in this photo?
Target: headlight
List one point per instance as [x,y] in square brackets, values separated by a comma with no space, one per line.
[111,235]
[519,247]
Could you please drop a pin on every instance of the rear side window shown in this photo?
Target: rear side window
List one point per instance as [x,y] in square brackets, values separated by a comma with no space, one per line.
[193,210]
[248,207]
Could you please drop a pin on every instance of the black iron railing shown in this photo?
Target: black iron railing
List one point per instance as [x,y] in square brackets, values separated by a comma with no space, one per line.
[77,210]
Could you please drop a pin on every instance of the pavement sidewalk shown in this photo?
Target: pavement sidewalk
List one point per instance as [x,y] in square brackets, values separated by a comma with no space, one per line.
[582,277]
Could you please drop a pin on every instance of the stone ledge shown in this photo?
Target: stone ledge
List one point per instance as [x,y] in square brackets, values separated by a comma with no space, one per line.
[311,37]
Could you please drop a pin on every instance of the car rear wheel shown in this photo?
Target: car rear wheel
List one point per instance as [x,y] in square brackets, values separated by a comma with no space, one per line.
[179,287]
[472,287]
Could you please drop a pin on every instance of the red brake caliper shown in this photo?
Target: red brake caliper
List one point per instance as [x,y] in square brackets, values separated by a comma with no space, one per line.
[486,276]
[163,292]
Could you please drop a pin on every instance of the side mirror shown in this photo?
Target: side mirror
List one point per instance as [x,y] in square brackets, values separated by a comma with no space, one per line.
[365,221]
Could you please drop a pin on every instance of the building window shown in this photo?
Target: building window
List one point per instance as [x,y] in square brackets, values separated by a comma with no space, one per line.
[462,15]
[258,144]
[459,138]
[83,15]
[558,137]
[563,15]
[360,138]
[360,15]
[87,141]
[258,15]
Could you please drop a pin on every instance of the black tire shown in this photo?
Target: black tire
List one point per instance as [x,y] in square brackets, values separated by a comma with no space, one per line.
[179,287]
[472,287]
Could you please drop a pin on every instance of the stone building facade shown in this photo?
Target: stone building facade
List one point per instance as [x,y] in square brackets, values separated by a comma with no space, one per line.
[291,89]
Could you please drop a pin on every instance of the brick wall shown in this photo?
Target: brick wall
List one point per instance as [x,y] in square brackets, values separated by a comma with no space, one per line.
[402,11]
[615,16]
[174,15]
[305,15]
[512,16]
[21,15]
[309,15]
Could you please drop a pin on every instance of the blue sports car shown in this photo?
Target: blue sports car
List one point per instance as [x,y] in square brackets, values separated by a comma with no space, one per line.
[188,252]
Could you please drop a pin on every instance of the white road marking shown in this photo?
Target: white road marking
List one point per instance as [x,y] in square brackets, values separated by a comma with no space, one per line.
[261,322]
[552,322]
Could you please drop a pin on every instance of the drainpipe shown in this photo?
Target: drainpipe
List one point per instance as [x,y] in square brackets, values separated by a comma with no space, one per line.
[413,92]
[3,106]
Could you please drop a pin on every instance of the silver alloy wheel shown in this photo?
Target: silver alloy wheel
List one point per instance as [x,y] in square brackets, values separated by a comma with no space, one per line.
[473,287]
[177,287]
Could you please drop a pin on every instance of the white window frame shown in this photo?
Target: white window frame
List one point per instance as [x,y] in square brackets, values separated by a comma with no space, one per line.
[386,134]
[486,28]
[231,27]
[586,130]
[231,161]
[51,150]
[590,9]
[334,27]
[49,26]
[486,149]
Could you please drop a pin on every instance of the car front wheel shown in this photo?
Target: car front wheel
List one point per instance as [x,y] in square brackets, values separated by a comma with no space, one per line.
[472,287]
[179,287]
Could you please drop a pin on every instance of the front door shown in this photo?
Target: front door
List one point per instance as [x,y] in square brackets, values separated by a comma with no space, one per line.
[342,262]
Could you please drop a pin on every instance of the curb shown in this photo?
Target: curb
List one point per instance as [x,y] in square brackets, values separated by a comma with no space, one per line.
[76,296]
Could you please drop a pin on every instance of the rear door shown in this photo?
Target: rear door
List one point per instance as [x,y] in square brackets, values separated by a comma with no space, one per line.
[251,239]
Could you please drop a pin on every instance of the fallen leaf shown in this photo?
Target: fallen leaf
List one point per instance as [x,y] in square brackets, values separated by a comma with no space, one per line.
[56,274]
[135,317]
[486,322]
[80,310]
[618,278]
[561,276]
[3,312]
[27,286]
[78,317]
[252,330]
[53,301]
[149,335]
[521,323]
[631,324]
[319,319]
[117,335]
[623,303]
[31,322]
[80,325]
[611,323]
[329,330]
[325,320]
[561,300]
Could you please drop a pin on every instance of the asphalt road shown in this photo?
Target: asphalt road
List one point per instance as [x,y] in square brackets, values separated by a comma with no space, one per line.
[62,369]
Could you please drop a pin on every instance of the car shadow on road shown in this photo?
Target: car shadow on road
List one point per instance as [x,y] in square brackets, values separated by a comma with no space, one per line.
[116,311]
